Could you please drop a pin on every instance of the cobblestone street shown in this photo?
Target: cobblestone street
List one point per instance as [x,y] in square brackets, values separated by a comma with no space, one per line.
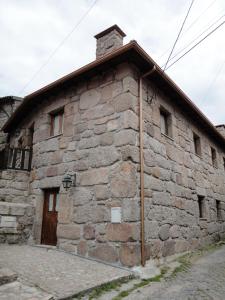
[50,274]
[204,280]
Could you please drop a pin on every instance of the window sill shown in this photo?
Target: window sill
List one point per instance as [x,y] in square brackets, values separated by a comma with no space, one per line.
[54,136]
[167,136]
[15,170]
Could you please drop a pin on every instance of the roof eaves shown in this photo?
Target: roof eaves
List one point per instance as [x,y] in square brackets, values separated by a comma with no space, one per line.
[131,45]
[67,77]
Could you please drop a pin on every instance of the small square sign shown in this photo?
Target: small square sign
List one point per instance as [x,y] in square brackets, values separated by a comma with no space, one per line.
[116,215]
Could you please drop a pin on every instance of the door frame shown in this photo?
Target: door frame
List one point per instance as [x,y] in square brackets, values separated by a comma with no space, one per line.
[54,190]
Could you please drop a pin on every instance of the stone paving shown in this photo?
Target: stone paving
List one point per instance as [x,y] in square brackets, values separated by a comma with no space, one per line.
[19,291]
[204,280]
[57,273]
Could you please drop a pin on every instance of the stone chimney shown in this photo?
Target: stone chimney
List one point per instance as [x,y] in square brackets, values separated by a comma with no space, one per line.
[221,129]
[109,40]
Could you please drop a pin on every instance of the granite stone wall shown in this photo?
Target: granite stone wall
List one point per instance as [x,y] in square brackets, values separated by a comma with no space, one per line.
[14,186]
[16,220]
[5,112]
[100,144]
[108,43]
[16,210]
[174,178]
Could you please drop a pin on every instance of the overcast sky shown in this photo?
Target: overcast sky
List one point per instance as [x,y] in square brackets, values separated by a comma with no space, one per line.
[31,30]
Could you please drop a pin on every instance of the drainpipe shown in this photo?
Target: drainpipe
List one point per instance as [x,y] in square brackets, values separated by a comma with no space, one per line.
[142,166]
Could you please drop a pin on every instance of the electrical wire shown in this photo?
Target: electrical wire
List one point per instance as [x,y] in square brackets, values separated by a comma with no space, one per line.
[195,21]
[214,80]
[182,26]
[59,46]
[199,42]
[202,13]
[196,38]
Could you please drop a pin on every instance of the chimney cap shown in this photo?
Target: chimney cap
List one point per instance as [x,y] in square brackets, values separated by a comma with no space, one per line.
[114,27]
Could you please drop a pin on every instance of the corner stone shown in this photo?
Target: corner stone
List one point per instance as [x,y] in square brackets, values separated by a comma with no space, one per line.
[130,255]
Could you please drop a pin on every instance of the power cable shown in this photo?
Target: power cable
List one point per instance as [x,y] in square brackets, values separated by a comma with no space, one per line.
[199,42]
[179,34]
[214,80]
[59,46]
[187,45]
[195,21]
[202,13]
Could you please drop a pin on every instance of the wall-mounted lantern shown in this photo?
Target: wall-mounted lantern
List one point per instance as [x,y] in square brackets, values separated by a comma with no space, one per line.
[68,181]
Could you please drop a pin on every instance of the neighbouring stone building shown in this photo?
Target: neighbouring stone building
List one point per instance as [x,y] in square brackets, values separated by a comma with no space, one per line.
[147,168]
[14,211]
[8,105]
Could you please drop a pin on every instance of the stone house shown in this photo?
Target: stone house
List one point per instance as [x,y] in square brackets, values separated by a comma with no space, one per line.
[8,105]
[146,167]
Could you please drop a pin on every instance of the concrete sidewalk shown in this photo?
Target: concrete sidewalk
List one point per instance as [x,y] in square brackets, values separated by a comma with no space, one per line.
[57,273]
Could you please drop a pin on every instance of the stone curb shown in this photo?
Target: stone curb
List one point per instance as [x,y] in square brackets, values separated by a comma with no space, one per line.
[89,290]
[7,276]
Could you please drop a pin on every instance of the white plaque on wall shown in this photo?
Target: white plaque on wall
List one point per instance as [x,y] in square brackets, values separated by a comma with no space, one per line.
[8,221]
[115,214]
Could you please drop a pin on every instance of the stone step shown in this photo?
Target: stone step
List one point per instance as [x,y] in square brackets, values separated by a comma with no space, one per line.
[7,276]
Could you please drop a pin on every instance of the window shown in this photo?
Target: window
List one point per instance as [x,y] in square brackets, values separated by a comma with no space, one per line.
[201,206]
[224,163]
[18,159]
[2,159]
[213,155]
[30,136]
[165,122]
[197,144]
[56,123]
[218,209]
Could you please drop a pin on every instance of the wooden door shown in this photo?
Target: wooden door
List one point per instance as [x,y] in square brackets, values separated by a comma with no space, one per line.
[50,217]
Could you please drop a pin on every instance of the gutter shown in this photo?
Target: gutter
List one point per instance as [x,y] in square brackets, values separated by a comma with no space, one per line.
[142,165]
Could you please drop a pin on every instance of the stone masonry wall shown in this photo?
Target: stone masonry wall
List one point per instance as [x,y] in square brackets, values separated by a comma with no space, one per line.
[108,43]
[100,144]
[3,119]
[221,129]
[5,111]
[174,177]
[14,186]
[16,220]
[16,213]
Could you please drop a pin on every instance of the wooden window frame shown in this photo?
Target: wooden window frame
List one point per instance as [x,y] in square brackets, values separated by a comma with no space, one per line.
[214,157]
[218,210]
[167,117]
[201,207]
[58,113]
[22,162]
[197,144]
